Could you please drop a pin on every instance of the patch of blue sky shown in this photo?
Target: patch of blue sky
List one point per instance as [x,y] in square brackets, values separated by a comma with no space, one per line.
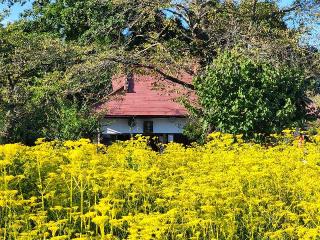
[285,3]
[14,12]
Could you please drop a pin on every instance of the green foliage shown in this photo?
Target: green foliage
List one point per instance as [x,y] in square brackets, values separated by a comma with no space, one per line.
[87,21]
[71,123]
[42,81]
[65,47]
[241,95]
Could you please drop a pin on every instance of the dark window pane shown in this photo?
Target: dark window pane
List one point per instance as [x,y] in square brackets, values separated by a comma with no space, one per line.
[148,127]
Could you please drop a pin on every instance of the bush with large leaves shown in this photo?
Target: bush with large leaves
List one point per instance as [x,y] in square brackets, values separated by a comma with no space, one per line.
[240,95]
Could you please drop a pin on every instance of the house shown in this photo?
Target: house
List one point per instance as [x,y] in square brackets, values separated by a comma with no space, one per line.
[147,105]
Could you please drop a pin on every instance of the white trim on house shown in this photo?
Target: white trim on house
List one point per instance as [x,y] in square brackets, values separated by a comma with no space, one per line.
[170,125]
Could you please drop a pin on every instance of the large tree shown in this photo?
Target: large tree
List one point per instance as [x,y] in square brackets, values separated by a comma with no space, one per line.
[181,34]
[172,36]
[41,79]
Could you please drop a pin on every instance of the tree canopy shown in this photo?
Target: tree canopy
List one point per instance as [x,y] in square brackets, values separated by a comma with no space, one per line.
[159,32]
[77,45]
[40,80]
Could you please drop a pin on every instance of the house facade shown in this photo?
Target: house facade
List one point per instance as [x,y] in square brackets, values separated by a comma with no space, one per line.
[147,105]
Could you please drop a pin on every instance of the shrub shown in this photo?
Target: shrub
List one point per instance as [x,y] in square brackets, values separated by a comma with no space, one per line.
[241,95]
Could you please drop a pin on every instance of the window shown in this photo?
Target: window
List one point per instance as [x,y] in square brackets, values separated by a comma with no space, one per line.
[147,127]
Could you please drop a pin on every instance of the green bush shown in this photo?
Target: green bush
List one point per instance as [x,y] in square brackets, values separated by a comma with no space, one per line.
[240,95]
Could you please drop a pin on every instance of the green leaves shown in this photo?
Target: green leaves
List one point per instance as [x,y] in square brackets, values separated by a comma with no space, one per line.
[57,54]
[84,21]
[243,95]
[48,87]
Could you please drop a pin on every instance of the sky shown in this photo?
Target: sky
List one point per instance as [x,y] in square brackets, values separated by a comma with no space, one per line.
[17,9]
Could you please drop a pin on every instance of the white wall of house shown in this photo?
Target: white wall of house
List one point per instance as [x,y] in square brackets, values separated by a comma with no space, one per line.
[160,125]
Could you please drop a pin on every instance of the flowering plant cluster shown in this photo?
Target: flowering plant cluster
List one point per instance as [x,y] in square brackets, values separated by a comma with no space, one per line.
[225,189]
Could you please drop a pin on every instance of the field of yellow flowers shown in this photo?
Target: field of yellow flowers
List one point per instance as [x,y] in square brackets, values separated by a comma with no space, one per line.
[225,189]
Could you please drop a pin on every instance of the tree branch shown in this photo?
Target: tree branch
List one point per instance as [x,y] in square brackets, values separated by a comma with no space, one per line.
[153,68]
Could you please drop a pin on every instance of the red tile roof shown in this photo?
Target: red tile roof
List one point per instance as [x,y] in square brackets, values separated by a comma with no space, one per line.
[152,96]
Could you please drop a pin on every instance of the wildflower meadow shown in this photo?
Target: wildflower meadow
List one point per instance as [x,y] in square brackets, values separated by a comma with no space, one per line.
[225,189]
